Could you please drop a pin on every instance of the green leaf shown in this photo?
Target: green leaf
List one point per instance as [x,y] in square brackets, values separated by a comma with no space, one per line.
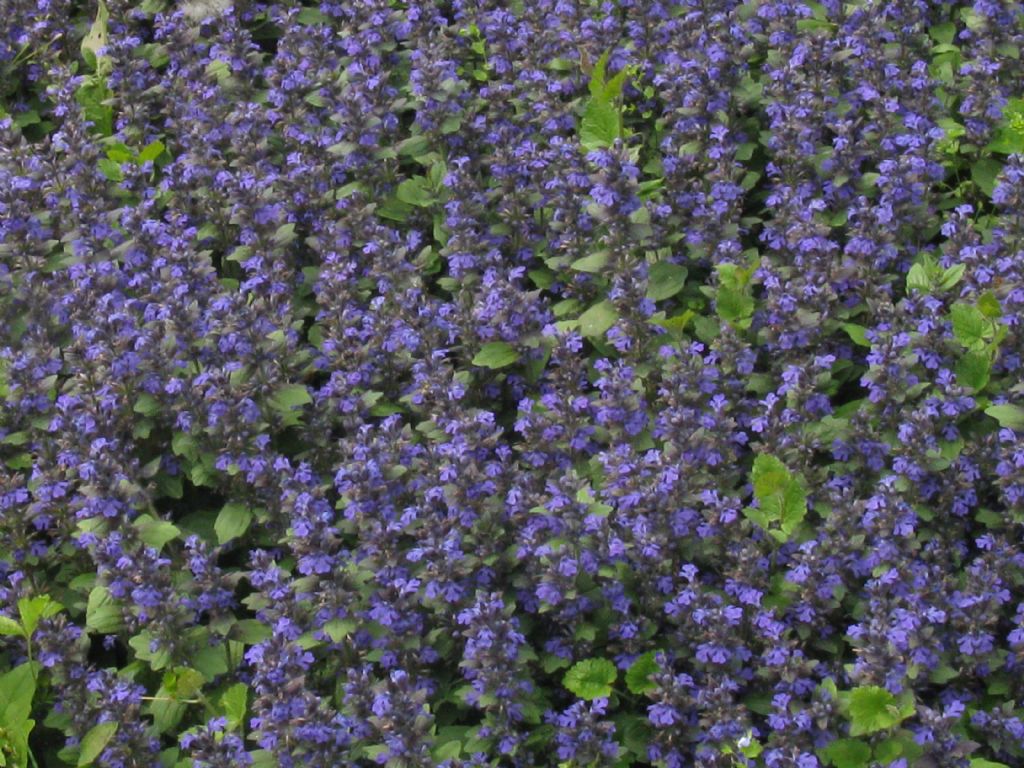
[595,262]
[973,369]
[96,38]
[447,751]
[734,306]
[339,629]
[496,354]
[872,708]
[33,610]
[951,276]
[598,319]
[102,613]
[781,497]
[969,325]
[601,125]
[10,627]
[95,741]
[151,151]
[989,305]
[154,532]
[918,278]
[291,396]
[981,762]
[857,334]
[638,676]
[591,678]
[415,191]
[984,173]
[943,33]
[847,753]
[232,521]
[1008,416]
[665,280]
[17,688]
[234,702]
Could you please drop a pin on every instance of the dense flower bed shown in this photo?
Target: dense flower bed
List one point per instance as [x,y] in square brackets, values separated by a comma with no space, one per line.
[511,383]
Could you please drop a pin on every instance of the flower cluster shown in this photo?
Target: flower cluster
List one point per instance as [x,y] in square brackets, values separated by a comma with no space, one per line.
[531,383]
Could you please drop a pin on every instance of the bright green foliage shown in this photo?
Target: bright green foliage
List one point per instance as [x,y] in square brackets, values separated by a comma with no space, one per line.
[781,497]
[591,678]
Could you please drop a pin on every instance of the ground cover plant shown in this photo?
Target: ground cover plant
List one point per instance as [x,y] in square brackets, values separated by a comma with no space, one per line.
[530,383]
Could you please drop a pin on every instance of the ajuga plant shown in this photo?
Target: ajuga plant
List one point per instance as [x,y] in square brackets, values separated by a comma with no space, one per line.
[512,383]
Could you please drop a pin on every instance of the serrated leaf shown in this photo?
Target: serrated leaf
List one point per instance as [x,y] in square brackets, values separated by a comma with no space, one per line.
[291,396]
[33,610]
[918,278]
[984,173]
[969,325]
[155,533]
[234,702]
[665,280]
[600,126]
[638,675]
[9,627]
[973,370]
[96,38]
[781,497]
[496,354]
[872,708]
[95,741]
[232,521]
[102,613]
[1008,416]
[598,319]
[415,192]
[847,753]
[591,678]
[951,276]
[857,334]
[17,688]
[595,262]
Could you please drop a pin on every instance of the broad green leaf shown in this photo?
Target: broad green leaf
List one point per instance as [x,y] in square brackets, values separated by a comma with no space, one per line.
[981,762]
[233,521]
[969,325]
[415,192]
[591,678]
[96,38]
[1008,416]
[734,306]
[973,369]
[95,741]
[639,673]
[102,613]
[989,305]
[918,278]
[234,702]
[339,629]
[601,125]
[496,354]
[781,497]
[33,610]
[665,280]
[17,687]
[984,173]
[447,751]
[598,319]
[154,532]
[847,753]
[595,262]
[857,334]
[872,708]
[951,276]
[291,396]
[10,627]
